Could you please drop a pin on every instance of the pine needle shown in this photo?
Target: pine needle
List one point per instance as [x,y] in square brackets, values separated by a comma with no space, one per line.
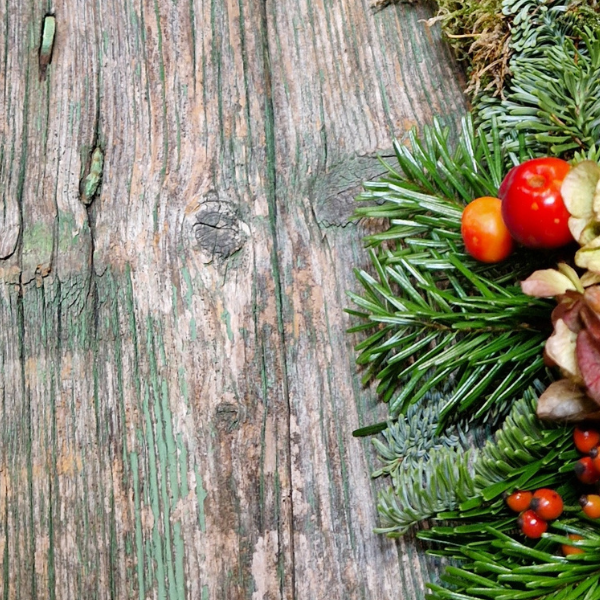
[431,312]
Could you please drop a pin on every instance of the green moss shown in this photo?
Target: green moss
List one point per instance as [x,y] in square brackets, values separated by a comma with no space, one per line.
[479,34]
[585,13]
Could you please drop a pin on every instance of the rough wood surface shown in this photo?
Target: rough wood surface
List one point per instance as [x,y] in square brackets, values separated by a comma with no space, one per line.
[177,388]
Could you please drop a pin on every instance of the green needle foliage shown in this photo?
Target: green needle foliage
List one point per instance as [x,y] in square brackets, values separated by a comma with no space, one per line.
[552,98]
[433,314]
[464,492]
[452,483]
[497,564]
[413,436]
[437,483]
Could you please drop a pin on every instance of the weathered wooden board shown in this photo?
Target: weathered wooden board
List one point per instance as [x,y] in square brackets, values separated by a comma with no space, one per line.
[177,388]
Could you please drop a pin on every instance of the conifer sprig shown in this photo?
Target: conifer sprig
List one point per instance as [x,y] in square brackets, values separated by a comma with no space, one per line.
[432,313]
[495,564]
[451,483]
[451,339]
[496,561]
[551,106]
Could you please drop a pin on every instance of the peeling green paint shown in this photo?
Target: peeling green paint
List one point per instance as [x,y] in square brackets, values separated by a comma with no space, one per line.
[69,231]
[130,310]
[201,494]
[179,562]
[174,299]
[184,484]
[139,544]
[38,239]
[183,386]
[189,288]
[172,455]
[226,318]
[168,460]
[90,183]
[155,497]
[48,32]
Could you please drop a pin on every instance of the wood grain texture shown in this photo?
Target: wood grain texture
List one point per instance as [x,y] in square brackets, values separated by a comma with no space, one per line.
[177,388]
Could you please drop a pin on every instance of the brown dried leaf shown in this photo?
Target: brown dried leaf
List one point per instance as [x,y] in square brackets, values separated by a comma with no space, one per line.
[589,278]
[592,297]
[596,202]
[577,227]
[565,401]
[591,321]
[571,273]
[547,283]
[588,233]
[588,358]
[568,309]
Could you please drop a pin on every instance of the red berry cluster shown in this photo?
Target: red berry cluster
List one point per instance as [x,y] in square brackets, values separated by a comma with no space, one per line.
[587,441]
[535,509]
[544,505]
[587,469]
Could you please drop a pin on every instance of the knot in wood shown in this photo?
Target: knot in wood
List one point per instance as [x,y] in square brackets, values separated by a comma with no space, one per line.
[217,227]
[227,416]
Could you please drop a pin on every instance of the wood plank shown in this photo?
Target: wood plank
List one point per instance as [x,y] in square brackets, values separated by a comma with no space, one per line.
[178,391]
[346,81]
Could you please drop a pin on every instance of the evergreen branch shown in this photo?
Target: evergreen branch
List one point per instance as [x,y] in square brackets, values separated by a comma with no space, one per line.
[448,338]
[435,477]
[497,565]
[413,436]
[425,327]
[551,105]
[524,454]
[429,306]
[435,483]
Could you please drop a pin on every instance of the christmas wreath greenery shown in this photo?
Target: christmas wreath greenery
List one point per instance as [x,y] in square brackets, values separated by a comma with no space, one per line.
[456,346]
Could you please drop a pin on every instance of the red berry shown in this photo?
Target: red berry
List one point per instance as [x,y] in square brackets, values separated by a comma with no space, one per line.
[590,504]
[586,437]
[567,550]
[519,501]
[531,525]
[586,471]
[547,504]
[595,455]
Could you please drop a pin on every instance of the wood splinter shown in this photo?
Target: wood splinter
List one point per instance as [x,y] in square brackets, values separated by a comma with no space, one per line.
[90,183]
[47,43]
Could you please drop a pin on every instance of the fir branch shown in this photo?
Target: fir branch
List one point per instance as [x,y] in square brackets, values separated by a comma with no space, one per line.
[449,483]
[495,560]
[525,453]
[495,564]
[432,313]
[490,342]
[435,320]
[435,483]
[413,436]
[551,105]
